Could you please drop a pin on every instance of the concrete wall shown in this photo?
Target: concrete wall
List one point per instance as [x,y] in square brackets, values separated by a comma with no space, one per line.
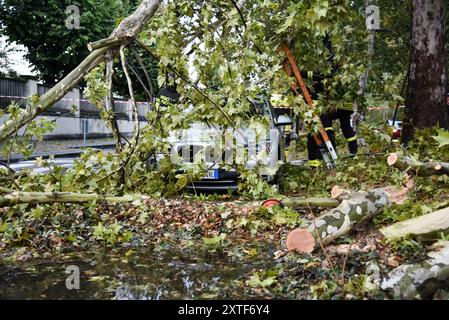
[70,126]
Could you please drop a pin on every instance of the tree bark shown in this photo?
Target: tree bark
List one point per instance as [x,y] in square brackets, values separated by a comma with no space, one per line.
[427,226]
[355,208]
[423,280]
[127,31]
[426,90]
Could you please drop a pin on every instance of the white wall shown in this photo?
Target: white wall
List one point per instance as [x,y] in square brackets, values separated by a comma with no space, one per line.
[67,128]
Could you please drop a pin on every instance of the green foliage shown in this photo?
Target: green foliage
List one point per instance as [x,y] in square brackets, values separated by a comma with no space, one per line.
[256,281]
[427,145]
[111,234]
[409,249]
[23,143]
[280,216]
[215,241]
[52,48]
[323,290]
[235,56]
[442,138]
[355,288]
[252,186]
[396,213]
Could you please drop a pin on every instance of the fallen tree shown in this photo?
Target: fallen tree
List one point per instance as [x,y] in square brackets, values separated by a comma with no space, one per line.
[297,203]
[124,34]
[11,198]
[421,168]
[426,226]
[292,202]
[423,280]
[355,208]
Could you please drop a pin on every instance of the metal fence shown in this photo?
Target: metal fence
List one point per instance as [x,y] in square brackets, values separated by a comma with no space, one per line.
[122,109]
[143,109]
[11,91]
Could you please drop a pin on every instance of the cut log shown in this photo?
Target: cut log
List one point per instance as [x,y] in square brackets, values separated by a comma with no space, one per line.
[421,168]
[336,192]
[426,226]
[423,280]
[17,197]
[355,208]
[302,239]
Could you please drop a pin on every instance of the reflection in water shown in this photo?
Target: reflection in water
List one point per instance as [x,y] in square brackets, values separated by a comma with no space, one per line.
[109,275]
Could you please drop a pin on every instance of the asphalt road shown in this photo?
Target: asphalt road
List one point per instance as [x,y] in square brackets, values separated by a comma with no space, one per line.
[31,164]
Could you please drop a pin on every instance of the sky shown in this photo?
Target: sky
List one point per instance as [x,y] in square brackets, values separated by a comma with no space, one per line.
[19,63]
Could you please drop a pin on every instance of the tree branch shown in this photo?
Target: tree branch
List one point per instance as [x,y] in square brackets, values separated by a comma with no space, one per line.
[128,29]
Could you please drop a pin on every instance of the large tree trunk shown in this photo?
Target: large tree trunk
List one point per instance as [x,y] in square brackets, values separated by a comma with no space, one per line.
[423,280]
[427,226]
[125,33]
[355,208]
[426,91]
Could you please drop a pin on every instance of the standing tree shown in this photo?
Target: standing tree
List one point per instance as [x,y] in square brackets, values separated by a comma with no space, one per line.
[426,91]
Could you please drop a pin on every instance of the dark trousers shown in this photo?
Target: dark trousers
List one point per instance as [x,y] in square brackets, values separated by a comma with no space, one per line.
[344,116]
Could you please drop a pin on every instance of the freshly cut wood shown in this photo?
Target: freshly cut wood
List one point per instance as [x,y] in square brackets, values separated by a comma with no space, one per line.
[426,226]
[421,168]
[355,208]
[300,240]
[392,158]
[399,196]
[423,280]
[336,192]
[15,197]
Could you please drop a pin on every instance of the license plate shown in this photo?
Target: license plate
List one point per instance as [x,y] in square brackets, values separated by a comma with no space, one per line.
[212,174]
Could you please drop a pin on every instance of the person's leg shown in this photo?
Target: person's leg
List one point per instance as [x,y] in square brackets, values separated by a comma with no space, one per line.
[348,132]
[312,148]
[326,120]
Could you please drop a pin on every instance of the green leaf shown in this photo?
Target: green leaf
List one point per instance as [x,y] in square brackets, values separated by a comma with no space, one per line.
[255,281]
[442,138]
[3,227]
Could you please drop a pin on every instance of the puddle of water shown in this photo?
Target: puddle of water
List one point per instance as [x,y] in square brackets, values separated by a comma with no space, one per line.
[146,276]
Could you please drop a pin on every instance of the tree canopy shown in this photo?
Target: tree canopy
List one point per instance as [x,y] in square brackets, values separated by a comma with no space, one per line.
[40,26]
